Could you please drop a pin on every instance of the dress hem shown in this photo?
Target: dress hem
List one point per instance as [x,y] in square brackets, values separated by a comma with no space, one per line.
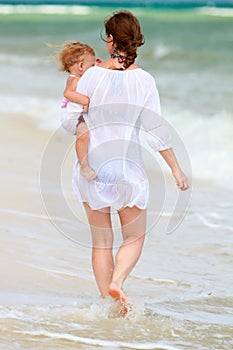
[130,206]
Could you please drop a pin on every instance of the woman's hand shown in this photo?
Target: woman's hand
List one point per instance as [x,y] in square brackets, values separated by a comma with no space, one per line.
[181,179]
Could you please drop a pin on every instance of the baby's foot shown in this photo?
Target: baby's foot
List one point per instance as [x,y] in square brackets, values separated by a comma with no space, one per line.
[85,108]
[88,173]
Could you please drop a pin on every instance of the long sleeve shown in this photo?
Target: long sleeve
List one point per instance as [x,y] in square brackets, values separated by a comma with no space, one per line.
[157,133]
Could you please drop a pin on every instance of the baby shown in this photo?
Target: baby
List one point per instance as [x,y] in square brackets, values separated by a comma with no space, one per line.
[75,58]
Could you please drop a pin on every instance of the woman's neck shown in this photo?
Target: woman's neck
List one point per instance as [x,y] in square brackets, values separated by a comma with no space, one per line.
[113,64]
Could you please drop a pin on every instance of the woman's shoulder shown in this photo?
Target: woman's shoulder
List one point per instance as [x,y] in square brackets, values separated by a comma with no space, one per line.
[145,73]
[90,71]
[147,78]
[90,75]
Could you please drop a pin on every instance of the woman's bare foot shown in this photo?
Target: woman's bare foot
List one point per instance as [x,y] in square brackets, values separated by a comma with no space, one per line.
[116,293]
[88,172]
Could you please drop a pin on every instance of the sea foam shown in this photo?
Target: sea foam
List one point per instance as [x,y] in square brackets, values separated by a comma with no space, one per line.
[44,9]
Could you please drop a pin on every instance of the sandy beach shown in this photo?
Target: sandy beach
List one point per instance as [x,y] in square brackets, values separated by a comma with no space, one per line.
[20,199]
[26,230]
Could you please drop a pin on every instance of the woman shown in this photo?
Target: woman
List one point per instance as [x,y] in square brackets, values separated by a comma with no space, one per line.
[123,99]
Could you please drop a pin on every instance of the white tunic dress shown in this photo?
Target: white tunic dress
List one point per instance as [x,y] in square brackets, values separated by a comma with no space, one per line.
[121,103]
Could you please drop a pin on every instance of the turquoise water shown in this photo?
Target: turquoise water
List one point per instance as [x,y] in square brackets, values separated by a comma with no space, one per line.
[128,3]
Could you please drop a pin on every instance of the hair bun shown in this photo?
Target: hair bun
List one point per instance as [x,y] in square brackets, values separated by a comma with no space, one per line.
[126,31]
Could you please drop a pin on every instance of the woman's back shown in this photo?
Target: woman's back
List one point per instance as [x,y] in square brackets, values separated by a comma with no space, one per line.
[118,100]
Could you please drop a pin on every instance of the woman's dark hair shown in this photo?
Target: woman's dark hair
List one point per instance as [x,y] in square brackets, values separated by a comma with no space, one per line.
[127,35]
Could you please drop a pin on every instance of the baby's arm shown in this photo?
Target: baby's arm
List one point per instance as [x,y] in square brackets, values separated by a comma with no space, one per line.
[72,95]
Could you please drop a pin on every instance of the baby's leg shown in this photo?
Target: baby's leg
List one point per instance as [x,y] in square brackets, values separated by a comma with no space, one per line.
[82,139]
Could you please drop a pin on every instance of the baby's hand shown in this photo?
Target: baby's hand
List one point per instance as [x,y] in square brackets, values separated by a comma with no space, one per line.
[98,60]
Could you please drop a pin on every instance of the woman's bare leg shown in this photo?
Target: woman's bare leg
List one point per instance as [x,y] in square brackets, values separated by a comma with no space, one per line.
[133,222]
[102,241]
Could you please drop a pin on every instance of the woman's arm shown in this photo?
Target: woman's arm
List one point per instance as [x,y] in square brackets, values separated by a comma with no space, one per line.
[181,179]
[72,95]
[158,135]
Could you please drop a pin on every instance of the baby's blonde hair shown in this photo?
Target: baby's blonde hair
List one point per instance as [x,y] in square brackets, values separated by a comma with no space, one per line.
[71,53]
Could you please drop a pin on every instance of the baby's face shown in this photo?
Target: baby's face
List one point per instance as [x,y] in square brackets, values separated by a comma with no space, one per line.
[89,61]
